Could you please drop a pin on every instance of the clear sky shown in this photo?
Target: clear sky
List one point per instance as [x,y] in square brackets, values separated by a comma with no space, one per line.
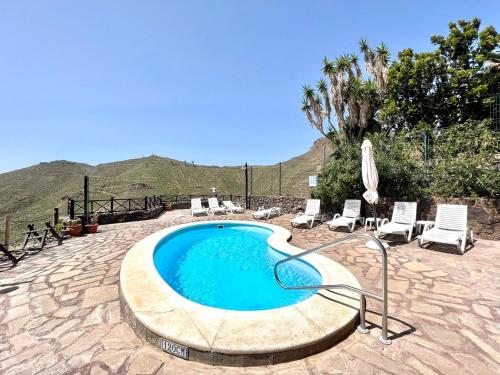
[216,82]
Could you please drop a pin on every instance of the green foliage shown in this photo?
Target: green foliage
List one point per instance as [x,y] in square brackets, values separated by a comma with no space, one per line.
[400,166]
[464,161]
[463,165]
[399,169]
[341,177]
[446,86]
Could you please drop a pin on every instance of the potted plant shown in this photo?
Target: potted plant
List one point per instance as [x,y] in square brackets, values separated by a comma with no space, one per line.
[94,223]
[74,227]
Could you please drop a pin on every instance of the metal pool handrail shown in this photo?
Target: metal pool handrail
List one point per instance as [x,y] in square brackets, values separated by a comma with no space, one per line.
[383,298]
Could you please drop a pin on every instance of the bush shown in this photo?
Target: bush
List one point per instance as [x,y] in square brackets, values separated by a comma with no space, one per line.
[464,161]
[340,178]
[399,169]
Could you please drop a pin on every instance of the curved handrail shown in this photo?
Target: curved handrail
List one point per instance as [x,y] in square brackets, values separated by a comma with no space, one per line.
[383,338]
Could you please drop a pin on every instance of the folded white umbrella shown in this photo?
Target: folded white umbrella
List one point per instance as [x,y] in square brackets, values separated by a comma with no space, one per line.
[369,171]
[370,180]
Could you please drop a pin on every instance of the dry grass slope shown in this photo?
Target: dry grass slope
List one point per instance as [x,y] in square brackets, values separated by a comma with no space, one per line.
[29,194]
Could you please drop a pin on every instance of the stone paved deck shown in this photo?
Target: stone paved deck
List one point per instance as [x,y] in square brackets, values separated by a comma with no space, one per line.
[60,311]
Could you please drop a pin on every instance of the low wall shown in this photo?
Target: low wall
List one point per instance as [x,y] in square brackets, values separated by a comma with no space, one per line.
[287,204]
[122,217]
[483,215]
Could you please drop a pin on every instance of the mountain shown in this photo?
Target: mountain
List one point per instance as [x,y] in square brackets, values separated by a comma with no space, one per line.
[30,194]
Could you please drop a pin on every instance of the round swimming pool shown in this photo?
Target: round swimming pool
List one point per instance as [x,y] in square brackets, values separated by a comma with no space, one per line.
[230,266]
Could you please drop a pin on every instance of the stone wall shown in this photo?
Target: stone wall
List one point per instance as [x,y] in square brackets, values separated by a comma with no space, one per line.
[483,215]
[287,204]
[121,217]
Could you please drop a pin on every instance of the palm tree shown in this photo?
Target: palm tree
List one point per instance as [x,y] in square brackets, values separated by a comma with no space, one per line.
[352,97]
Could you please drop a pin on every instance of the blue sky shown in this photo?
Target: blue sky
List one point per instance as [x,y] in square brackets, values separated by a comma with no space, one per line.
[217,82]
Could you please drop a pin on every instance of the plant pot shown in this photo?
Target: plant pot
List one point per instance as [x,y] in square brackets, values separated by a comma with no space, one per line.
[74,230]
[91,228]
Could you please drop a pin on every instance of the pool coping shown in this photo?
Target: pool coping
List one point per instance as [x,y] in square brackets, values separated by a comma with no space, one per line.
[236,338]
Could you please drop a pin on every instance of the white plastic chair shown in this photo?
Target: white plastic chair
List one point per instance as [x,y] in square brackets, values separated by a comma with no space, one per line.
[308,217]
[197,208]
[450,227]
[213,206]
[350,215]
[266,213]
[404,217]
[233,207]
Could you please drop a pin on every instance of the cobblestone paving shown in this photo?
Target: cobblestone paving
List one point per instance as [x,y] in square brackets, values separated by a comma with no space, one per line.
[60,311]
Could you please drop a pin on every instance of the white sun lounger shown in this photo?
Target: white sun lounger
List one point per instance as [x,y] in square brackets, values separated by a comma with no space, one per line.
[266,213]
[309,216]
[402,222]
[231,207]
[197,208]
[350,215]
[213,206]
[450,227]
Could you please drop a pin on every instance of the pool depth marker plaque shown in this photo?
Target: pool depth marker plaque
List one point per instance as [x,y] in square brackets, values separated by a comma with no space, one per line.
[180,351]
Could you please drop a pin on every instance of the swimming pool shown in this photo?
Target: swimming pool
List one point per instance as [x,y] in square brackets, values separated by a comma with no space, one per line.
[230,266]
[182,290]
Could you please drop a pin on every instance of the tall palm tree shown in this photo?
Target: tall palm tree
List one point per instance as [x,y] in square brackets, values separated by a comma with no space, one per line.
[350,96]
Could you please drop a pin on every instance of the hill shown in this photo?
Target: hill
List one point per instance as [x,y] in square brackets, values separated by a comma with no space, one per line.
[30,194]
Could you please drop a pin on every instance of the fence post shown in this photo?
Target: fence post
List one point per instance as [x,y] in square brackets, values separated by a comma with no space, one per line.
[71,209]
[85,202]
[246,186]
[55,216]
[7,231]
[111,205]
[146,203]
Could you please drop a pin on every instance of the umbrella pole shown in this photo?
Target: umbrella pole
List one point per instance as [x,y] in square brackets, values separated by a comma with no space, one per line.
[375,218]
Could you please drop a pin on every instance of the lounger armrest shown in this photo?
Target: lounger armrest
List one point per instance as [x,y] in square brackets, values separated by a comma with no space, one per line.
[299,214]
[427,227]
[336,216]
[384,221]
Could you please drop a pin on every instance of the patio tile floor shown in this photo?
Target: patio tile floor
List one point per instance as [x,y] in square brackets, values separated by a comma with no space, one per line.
[60,309]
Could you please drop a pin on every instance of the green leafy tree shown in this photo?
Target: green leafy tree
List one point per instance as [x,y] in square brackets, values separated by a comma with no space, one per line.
[465,161]
[447,86]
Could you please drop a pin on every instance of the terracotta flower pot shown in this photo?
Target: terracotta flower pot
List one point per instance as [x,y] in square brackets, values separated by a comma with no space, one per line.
[74,230]
[91,228]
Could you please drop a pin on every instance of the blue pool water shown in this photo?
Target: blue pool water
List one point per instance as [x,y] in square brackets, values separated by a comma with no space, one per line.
[230,267]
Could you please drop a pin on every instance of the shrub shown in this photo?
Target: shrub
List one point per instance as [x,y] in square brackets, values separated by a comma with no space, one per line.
[340,177]
[464,161]
[399,168]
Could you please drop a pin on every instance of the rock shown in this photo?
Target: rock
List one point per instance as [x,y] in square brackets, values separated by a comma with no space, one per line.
[144,361]
[100,294]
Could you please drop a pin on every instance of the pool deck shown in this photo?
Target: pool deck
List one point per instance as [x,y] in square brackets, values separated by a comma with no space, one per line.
[61,310]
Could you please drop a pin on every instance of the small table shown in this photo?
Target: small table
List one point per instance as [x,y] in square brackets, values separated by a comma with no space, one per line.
[421,225]
[371,220]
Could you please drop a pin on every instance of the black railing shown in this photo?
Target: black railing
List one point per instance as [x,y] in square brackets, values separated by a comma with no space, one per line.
[112,205]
